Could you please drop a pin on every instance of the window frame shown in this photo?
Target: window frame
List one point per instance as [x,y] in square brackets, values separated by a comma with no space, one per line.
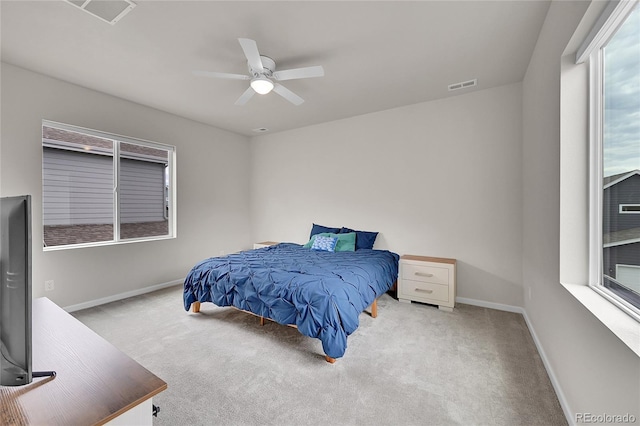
[591,51]
[117,139]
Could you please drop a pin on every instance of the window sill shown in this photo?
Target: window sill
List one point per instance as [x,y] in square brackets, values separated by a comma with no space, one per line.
[107,243]
[622,325]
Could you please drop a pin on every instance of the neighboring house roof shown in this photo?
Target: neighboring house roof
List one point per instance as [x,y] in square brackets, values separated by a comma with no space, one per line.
[617,238]
[614,179]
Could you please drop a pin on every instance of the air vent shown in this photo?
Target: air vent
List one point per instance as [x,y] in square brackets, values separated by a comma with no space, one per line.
[463,85]
[110,11]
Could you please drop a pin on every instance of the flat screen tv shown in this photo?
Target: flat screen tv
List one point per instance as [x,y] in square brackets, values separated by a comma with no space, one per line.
[15,293]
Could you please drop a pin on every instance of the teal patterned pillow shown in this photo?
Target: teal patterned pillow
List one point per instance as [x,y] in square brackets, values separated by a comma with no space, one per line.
[346,242]
[324,243]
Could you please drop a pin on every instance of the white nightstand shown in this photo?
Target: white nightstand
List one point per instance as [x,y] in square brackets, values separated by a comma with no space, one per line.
[264,244]
[428,280]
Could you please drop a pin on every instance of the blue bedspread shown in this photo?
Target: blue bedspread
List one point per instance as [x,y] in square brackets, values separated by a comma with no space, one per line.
[322,293]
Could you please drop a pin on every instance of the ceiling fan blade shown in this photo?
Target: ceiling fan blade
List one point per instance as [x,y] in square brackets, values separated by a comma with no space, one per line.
[287,94]
[250,49]
[245,96]
[226,75]
[294,73]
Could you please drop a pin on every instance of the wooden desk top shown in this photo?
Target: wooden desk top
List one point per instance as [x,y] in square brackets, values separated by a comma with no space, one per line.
[95,381]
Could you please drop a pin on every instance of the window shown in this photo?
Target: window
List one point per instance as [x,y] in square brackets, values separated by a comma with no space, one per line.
[613,53]
[100,188]
[630,208]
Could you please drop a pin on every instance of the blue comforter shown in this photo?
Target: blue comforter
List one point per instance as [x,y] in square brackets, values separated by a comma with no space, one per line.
[322,293]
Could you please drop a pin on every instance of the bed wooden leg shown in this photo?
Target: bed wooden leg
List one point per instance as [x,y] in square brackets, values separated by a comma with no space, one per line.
[329,359]
[261,320]
[374,309]
[195,307]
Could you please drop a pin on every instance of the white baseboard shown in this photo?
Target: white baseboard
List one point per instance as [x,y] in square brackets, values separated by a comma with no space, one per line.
[520,310]
[490,305]
[120,296]
[554,381]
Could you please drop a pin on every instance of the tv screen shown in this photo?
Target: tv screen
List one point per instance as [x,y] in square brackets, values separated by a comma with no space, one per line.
[15,291]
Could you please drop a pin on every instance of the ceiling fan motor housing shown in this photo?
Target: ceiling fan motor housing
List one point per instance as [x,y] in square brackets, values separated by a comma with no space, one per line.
[268,64]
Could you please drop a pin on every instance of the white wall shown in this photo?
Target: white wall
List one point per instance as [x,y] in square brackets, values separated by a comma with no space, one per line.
[595,371]
[440,178]
[212,183]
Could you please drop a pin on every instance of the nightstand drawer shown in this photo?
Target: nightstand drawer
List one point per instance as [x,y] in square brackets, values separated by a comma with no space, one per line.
[431,292]
[426,273]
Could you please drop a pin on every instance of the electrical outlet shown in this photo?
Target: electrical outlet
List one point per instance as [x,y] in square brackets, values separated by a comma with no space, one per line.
[49,285]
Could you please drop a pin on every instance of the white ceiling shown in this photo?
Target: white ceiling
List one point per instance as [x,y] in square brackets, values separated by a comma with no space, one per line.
[376,54]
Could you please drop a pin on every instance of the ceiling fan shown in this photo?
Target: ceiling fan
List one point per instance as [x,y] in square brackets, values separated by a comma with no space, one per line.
[262,73]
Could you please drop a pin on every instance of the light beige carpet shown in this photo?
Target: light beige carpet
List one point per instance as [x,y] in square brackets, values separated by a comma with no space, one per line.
[413,365]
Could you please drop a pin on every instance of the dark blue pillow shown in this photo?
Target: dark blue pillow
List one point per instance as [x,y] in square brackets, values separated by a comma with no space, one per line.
[364,239]
[319,229]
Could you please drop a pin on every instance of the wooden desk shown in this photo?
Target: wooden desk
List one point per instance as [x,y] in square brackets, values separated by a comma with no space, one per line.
[95,383]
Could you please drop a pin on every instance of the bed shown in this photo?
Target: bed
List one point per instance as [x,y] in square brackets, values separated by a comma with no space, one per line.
[322,293]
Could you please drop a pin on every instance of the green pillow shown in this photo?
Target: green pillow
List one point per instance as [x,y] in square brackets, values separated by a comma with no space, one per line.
[346,242]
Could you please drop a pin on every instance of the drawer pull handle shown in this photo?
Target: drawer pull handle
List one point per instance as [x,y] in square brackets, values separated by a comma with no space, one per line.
[423,274]
[424,291]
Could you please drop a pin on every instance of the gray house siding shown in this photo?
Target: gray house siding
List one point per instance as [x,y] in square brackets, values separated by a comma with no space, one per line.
[621,235]
[626,254]
[624,192]
[77,189]
[141,191]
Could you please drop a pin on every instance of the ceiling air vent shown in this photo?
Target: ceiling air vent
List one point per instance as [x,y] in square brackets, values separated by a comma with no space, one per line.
[110,11]
[463,85]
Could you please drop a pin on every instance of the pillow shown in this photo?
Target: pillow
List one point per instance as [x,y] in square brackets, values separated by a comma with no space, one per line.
[323,243]
[364,239]
[319,229]
[346,242]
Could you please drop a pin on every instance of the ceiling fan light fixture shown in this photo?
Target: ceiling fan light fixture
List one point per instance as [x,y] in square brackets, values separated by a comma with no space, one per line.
[262,85]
